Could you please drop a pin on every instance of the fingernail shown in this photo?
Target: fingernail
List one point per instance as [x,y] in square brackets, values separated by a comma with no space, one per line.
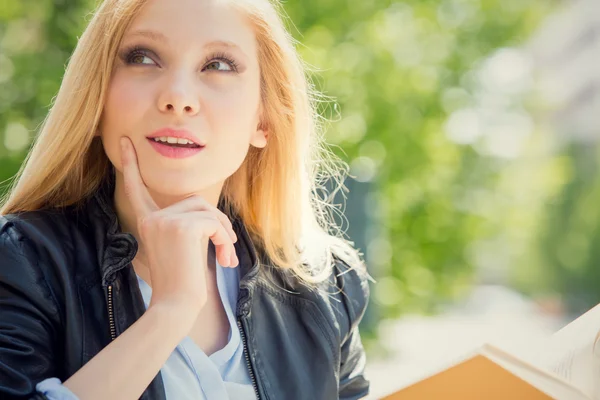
[236,261]
[228,261]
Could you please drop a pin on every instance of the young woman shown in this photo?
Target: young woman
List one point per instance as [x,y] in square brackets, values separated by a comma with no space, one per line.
[165,237]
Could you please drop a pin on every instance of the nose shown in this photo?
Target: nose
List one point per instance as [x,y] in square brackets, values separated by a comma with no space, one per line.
[179,96]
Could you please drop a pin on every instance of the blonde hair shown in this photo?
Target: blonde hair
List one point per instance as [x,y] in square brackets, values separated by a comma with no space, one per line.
[277,191]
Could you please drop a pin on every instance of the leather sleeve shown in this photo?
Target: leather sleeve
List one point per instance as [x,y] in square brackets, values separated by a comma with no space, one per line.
[355,287]
[353,384]
[29,318]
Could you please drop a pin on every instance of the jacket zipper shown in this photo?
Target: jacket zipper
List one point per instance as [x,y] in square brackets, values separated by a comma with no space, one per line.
[111,317]
[250,369]
[111,320]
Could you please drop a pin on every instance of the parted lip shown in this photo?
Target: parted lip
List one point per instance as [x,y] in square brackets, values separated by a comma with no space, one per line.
[176,133]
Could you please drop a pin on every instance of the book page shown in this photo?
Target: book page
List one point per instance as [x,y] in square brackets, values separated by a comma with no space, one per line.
[548,382]
[573,353]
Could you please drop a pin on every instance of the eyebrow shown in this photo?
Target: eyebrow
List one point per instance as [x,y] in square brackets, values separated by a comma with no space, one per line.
[159,37]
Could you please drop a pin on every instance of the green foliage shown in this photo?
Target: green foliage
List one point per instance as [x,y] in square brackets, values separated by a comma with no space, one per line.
[397,71]
[570,234]
[394,68]
[36,39]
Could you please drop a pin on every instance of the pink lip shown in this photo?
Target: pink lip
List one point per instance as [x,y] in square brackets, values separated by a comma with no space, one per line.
[175,152]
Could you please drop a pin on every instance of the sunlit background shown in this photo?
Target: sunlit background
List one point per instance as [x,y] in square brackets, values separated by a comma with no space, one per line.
[470,128]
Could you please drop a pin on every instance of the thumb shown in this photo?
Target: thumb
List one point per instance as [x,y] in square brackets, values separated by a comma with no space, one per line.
[135,188]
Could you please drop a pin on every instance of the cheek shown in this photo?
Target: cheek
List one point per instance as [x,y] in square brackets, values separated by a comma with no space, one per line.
[236,112]
[125,104]
[237,123]
[241,129]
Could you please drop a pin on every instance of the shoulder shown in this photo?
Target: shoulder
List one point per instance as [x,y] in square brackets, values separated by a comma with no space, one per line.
[352,281]
[32,225]
[341,288]
[347,277]
[37,245]
[343,293]
[346,293]
[39,230]
[23,230]
[25,268]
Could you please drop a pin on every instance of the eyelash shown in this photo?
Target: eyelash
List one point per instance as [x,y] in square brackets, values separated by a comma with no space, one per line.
[128,54]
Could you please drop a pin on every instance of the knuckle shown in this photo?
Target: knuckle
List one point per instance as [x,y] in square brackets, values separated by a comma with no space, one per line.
[207,225]
[226,219]
[169,225]
[144,224]
[208,219]
[179,229]
[214,224]
[223,217]
[161,222]
[213,218]
[198,200]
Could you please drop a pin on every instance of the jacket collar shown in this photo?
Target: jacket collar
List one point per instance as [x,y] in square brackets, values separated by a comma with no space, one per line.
[116,249]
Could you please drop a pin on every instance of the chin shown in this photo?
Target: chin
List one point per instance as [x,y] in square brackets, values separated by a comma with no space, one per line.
[177,185]
[171,186]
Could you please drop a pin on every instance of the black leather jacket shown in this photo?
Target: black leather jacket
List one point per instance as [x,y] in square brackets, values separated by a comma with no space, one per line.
[67,289]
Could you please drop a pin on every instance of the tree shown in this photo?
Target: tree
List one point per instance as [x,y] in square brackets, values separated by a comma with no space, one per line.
[397,70]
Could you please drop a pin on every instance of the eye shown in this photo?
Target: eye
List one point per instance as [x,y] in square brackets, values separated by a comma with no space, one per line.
[137,56]
[215,61]
[215,66]
[140,59]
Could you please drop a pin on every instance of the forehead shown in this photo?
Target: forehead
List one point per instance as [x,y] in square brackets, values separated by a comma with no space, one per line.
[195,22]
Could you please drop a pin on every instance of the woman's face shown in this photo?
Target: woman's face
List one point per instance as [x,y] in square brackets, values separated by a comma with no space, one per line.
[185,68]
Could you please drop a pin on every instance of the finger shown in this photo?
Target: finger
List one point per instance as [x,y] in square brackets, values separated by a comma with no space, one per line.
[197,203]
[222,252]
[135,188]
[235,259]
[229,251]
[226,223]
[223,244]
[214,229]
[225,253]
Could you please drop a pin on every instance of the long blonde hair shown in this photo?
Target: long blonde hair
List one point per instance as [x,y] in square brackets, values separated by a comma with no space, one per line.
[278,190]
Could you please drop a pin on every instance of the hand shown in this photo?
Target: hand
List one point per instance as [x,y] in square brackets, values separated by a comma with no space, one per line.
[175,239]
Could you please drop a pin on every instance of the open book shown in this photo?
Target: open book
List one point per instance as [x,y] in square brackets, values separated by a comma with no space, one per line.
[564,366]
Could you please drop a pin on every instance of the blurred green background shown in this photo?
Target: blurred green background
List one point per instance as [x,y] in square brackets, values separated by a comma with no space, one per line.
[462,171]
